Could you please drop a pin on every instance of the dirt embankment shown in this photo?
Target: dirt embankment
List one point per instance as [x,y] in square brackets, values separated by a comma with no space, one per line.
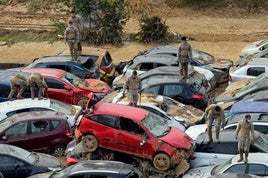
[220,32]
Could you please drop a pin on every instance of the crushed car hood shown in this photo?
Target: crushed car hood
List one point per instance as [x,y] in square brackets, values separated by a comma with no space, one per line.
[48,161]
[178,139]
[96,86]
[221,64]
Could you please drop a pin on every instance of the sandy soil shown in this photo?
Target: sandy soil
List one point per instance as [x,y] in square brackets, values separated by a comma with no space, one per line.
[220,33]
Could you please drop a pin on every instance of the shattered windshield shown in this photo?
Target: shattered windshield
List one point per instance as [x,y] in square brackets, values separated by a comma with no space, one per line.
[156,125]
[74,80]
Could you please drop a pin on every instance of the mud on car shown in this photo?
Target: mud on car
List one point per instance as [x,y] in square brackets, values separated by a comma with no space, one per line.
[136,132]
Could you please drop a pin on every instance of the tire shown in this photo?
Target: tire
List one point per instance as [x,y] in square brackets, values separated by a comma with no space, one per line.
[90,143]
[58,150]
[162,162]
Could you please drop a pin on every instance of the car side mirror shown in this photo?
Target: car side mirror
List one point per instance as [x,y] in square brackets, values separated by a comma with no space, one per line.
[67,87]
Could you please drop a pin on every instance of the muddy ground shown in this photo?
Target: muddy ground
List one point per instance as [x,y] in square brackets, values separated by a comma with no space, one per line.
[220,32]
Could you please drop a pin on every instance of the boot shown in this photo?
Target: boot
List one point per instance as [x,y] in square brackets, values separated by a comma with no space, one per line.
[241,156]
[217,134]
[246,157]
[210,139]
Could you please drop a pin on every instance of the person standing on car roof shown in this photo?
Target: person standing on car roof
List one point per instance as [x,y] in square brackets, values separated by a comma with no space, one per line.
[77,22]
[71,36]
[36,80]
[133,86]
[214,112]
[17,83]
[244,127]
[184,56]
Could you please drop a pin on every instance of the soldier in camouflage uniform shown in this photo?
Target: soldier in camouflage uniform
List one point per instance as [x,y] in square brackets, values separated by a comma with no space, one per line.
[78,24]
[244,127]
[133,85]
[17,82]
[214,112]
[184,56]
[36,80]
[71,36]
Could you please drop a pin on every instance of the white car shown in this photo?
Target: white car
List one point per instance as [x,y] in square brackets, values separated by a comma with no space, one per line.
[253,48]
[257,165]
[249,70]
[176,113]
[9,108]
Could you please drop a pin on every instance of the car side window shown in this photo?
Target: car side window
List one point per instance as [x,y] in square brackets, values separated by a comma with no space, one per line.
[130,126]
[110,121]
[173,90]
[255,71]
[258,169]
[39,126]
[237,168]
[52,83]
[62,67]
[7,161]
[17,130]
[54,124]
[146,66]
[261,128]
[153,90]
[78,176]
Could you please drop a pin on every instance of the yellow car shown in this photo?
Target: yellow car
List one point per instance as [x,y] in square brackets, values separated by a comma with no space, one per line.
[101,58]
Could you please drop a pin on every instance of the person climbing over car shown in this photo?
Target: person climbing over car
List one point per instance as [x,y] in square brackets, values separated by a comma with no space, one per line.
[184,56]
[17,83]
[36,80]
[214,113]
[133,86]
[244,127]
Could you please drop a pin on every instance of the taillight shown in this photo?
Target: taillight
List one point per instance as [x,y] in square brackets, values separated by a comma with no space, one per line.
[68,133]
[106,69]
[198,97]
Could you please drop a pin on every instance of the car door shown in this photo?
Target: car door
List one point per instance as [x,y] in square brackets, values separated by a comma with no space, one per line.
[11,167]
[130,137]
[56,90]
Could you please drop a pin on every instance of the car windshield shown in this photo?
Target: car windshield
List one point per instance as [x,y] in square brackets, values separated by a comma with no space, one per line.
[218,169]
[156,125]
[23,154]
[74,80]
[62,107]
[202,57]
[253,84]
[262,142]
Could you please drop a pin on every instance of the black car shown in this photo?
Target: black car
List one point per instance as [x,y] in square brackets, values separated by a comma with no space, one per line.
[17,162]
[66,63]
[175,87]
[215,153]
[219,67]
[95,169]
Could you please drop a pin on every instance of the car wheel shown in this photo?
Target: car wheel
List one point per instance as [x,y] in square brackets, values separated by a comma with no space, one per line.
[161,162]
[90,143]
[58,151]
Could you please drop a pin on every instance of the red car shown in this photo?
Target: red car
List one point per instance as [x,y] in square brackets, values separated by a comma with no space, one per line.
[68,88]
[134,131]
[39,131]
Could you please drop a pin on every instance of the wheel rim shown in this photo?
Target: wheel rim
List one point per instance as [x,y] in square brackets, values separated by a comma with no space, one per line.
[90,143]
[161,162]
[58,151]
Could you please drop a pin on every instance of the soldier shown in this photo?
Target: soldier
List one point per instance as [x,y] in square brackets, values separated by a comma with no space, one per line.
[184,56]
[78,24]
[244,127]
[17,81]
[214,112]
[133,85]
[71,36]
[36,80]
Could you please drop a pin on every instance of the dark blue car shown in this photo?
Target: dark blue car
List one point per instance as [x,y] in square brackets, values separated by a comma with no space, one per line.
[5,85]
